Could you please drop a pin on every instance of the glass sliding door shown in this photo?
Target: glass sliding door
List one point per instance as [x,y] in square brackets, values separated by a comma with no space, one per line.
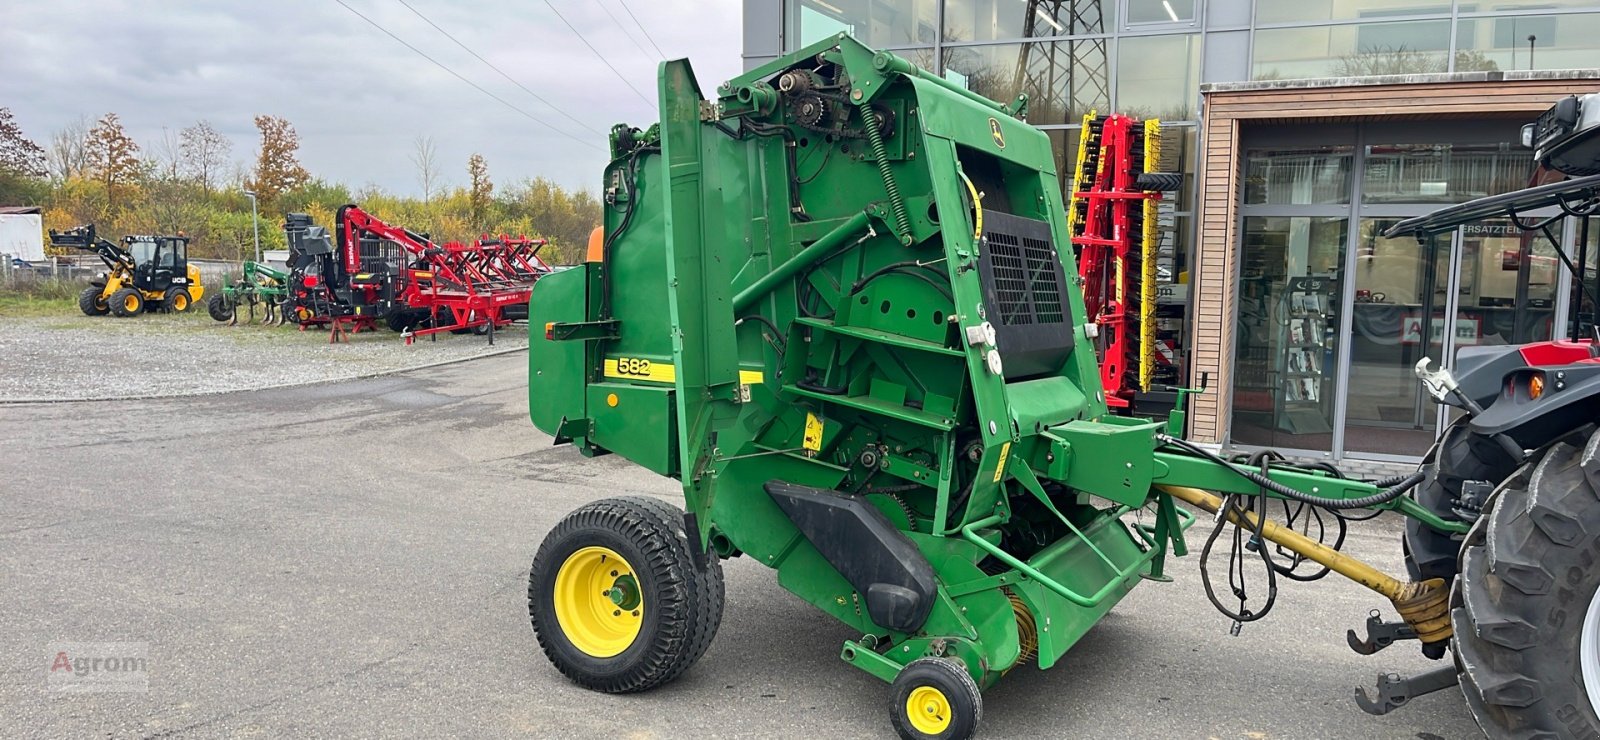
[1397,317]
[1287,336]
[1509,280]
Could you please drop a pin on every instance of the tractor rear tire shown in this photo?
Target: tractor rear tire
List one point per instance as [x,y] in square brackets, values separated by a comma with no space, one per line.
[221,308]
[126,302]
[1459,457]
[935,699]
[616,599]
[1526,607]
[177,300]
[91,303]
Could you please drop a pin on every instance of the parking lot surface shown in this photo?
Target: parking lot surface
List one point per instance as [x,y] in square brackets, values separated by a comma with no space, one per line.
[350,559]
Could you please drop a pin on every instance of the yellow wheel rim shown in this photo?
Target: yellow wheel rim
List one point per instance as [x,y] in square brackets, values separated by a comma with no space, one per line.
[598,603]
[928,710]
[130,303]
[181,301]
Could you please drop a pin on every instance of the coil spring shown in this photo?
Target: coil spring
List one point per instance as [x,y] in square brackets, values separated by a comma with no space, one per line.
[1027,630]
[880,154]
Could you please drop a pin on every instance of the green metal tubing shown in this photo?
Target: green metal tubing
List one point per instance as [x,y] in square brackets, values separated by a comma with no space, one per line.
[1047,581]
[880,156]
[816,251]
[888,62]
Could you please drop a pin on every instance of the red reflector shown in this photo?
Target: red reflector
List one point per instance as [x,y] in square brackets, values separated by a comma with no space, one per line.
[311,281]
[550,331]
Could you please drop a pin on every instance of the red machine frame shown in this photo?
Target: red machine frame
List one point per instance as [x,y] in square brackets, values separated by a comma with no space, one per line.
[473,283]
[1104,220]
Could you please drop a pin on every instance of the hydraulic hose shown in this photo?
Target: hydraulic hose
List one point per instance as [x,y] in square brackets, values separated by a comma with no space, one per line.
[1394,490]
[880,155]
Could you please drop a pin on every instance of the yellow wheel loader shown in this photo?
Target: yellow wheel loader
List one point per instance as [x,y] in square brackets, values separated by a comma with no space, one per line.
[144,273]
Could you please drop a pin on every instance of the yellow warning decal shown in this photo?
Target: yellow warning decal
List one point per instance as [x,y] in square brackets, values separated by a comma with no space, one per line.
[638,368]
[813,438]
[1000,468]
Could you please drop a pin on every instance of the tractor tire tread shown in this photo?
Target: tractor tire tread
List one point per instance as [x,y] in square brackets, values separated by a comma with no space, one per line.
[90,304]
[118,301]
[1523,569]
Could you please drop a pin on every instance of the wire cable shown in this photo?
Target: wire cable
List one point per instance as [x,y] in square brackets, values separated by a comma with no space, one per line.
[501,72]
[646,31]
[458,76]
[1393,491]
[597,53]
[624,29]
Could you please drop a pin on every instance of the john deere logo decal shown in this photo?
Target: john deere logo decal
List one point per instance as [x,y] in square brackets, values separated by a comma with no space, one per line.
[994,131]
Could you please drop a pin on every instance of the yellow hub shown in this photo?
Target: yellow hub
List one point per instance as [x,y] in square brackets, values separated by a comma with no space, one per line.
[181,301]
[130,303]
[598,603]
[928,710]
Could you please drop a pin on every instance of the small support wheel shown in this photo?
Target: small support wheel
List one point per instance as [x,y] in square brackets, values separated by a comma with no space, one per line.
[616,598]
[220,307]
[935,699]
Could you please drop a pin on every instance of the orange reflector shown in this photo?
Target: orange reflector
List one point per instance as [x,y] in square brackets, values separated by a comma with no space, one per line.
[550,331]
[1535,386]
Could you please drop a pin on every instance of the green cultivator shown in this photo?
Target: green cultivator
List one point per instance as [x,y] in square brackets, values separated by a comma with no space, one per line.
[258,285]
[838,303]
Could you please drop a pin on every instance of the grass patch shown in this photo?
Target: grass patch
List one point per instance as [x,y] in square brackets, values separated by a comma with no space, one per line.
[46,298]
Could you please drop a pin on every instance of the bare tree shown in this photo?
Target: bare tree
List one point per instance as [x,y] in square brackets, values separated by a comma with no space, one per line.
[425,157]
[480,192]
[165,155]
[67,156]
[205,153]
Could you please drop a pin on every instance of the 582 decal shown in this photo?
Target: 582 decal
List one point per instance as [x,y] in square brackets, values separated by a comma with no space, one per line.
[633,366]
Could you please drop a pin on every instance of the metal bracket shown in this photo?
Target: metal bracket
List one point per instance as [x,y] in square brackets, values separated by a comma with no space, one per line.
[1440,383]
[1380,634]
[563,331]
[1395,692]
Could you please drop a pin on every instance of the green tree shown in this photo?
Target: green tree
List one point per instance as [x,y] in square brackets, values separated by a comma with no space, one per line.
[480,190]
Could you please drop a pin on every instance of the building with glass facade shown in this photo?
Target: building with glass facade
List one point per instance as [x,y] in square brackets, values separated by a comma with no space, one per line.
[1304,127]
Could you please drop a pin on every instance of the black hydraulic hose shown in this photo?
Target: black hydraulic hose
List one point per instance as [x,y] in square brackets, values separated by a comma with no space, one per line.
[1389,493]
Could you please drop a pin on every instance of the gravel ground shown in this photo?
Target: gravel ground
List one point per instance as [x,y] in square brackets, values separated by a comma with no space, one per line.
[77,357]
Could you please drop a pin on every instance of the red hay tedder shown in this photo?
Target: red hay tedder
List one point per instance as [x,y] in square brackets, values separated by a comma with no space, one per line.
[372,271]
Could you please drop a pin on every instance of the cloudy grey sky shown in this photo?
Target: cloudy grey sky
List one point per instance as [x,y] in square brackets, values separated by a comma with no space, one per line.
[357,97]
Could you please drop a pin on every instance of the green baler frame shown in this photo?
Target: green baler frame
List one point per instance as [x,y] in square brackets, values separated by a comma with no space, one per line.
[733,385]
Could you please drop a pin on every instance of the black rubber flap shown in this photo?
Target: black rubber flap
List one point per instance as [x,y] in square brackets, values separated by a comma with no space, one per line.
[860,542]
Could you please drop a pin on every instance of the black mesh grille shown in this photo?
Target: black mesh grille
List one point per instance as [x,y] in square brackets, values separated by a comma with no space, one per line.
[1023,283]
[1026,279]
[380,255]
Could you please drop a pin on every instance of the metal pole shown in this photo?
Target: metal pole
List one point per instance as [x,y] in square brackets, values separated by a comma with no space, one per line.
[255,224]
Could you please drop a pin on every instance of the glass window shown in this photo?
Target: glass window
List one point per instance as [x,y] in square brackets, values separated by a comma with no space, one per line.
[1297,175]
[1442,173]
[1311,11]
[1558,42]
[1353,50]
[877,23]
[1063,79]
[1287,337]
[992,20]
[1161,11]
[1499,262]
[1158,76]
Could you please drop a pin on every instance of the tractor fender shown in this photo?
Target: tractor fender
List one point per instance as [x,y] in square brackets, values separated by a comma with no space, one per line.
[1481,372]
[1570,399]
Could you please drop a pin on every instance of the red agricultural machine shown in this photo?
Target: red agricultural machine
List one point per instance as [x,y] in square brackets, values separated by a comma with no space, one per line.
[370,271]
[1112,216]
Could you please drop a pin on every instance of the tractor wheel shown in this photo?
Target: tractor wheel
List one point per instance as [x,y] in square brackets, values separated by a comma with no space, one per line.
[220,307]
[616,599]
[91,303]
[126,302]
[176,300]
[1459,457]
[1526,607]
[935,699]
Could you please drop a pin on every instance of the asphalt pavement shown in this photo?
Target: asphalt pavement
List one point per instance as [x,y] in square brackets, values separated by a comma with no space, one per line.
[350,560]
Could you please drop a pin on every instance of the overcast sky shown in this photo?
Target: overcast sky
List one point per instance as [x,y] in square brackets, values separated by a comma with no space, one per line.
[357,97]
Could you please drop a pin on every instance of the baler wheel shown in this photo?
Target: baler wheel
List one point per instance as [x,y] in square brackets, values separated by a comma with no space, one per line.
[616,598]
[935,699]
[91,303]
[1526,607]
